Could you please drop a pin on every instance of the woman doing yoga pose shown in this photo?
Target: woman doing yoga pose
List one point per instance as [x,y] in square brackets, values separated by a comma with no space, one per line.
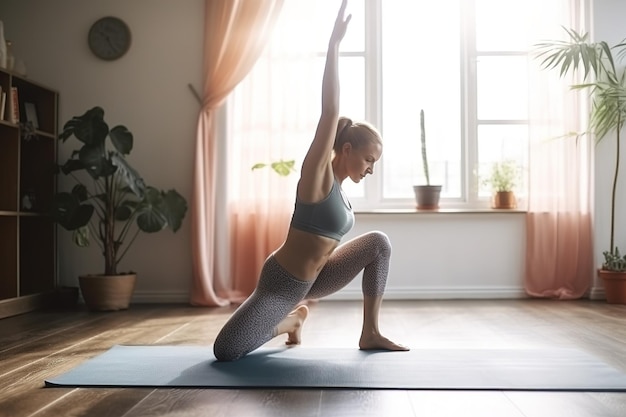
[311,263]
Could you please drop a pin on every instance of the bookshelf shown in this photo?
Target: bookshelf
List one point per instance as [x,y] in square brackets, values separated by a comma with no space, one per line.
[27,185]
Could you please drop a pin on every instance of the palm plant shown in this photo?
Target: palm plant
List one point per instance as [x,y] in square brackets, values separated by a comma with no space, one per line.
[606,85]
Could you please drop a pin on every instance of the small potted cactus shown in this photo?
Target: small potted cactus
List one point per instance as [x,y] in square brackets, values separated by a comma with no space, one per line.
[427,196]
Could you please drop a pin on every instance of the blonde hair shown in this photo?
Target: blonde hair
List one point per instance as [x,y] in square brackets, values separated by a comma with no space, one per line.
[357,134]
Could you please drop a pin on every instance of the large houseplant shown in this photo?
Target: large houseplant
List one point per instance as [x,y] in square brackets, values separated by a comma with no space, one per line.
[605,82]
[111,203]
[426,196]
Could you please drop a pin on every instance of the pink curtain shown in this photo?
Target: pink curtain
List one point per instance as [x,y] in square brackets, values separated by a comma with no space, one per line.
[235,34]
[559,247]
[273,115]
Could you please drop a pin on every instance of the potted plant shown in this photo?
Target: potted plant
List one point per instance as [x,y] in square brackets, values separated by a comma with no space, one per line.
[111,203]
[613,273]
[502,179]
[427,196]
[607,91]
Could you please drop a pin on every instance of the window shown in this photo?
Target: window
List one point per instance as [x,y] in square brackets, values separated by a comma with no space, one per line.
[464,62]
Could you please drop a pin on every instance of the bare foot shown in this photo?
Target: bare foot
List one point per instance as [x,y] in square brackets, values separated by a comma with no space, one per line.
[301,314]
[378,342]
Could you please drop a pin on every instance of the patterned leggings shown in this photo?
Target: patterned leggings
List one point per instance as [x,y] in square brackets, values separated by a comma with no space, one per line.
[278,292]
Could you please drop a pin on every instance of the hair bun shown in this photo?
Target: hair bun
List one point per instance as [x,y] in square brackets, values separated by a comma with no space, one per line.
[342,124]
[347,122]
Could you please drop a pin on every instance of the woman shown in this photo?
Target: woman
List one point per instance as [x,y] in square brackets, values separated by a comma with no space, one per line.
[311,264]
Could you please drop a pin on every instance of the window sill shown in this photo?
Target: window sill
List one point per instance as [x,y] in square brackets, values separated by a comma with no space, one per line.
[484,210]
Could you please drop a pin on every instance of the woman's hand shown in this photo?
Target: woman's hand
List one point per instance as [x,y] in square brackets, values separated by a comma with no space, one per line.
[341,24]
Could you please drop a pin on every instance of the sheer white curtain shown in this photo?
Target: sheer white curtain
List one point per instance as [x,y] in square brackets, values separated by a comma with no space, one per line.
[559,247]
[273,114]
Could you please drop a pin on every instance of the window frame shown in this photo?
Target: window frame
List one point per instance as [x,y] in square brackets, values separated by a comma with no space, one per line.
[470,198]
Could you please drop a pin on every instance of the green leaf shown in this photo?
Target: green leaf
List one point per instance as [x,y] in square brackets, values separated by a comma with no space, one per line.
[174,206]
[128,174]
[80,191]
[123,212]
[95,161]
[283,168]
[80,236]
[122,139]
[89,128]
[69,212]
[150,218]
[159,210]
[72,165]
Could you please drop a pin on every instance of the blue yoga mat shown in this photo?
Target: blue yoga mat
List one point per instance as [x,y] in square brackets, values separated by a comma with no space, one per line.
[302,367]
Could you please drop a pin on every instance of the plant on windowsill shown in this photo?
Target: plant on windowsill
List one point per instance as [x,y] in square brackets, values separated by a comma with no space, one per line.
[605,83]
[426,196]
[503,179]
[110,202]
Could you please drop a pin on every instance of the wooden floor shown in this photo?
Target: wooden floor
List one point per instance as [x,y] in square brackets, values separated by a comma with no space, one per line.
[39,345]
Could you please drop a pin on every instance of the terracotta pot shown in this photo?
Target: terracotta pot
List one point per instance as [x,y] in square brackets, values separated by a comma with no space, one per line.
[504,200]
[107,292]
[427,196]
[614,286]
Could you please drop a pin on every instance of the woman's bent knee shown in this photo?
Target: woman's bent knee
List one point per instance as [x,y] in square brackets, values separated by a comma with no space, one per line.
[381,241]
[226,352]
[224,356]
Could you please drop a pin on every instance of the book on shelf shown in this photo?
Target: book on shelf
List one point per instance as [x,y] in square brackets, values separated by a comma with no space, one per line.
[3,102]
[15,106]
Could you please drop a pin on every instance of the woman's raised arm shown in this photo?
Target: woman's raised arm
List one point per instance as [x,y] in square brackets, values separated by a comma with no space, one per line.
[315,181]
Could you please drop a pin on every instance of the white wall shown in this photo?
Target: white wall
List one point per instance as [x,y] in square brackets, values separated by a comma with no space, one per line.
[453,255]
[449,255]
[146,91]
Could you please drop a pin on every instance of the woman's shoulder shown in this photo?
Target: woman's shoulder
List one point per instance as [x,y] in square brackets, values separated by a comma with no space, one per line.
[314,187]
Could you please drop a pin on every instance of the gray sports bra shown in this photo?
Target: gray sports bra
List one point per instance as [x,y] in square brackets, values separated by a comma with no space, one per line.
[331,217]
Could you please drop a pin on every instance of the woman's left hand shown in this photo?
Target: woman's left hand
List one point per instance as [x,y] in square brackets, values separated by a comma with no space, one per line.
[341,24]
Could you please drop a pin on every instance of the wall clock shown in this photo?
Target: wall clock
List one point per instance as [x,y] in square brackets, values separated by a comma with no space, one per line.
[109,38]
